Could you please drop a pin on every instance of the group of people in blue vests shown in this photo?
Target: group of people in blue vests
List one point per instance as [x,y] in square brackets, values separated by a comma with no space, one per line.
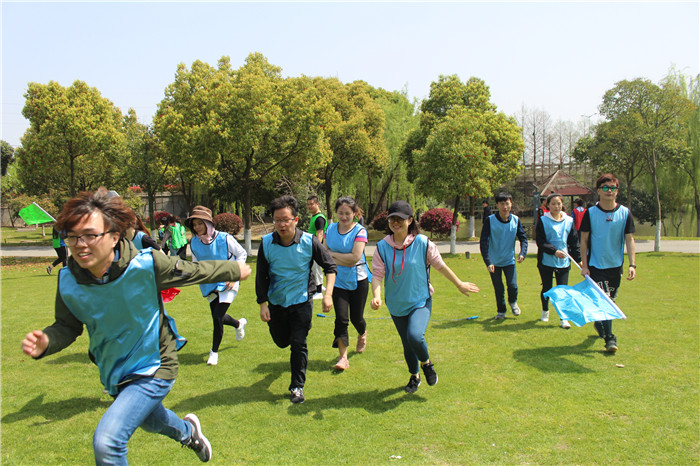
[112,287]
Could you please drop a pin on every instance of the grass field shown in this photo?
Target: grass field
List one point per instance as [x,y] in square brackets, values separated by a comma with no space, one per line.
[518,391]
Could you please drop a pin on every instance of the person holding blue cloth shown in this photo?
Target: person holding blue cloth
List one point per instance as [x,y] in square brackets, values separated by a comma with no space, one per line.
[346,241]
[112,288]
[556,239]
[403,259]
[497,245]
[209,244]
[606,229]
[285,285]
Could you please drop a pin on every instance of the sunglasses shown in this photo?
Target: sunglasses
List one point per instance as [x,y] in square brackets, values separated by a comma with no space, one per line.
[608,188]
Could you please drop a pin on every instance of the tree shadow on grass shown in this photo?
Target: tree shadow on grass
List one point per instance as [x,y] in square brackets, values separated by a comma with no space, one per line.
[553,358]
[491,324]
[79,358]
[373,401]
[55,410]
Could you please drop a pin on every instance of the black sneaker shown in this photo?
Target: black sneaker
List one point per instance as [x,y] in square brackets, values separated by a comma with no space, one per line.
[430,374]
[297,395]
[611,345]
[197,441]
[413,384]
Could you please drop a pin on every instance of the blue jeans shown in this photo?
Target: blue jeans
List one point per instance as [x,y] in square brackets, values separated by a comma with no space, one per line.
[511,283]
[412,329]
[139,404]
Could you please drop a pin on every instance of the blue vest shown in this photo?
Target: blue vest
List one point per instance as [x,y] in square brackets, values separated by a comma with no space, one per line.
[557,234]
[346,277]
[407,278]
[123,320]
[607,250]
[217,250]
[502,240]
[289,270]
[138,240]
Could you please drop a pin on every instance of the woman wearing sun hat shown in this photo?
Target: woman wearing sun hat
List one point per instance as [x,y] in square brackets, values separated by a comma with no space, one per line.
[403,259]
[209,244]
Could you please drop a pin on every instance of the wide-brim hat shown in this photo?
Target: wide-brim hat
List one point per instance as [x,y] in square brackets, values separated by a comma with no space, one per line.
[200,212]
[401,209]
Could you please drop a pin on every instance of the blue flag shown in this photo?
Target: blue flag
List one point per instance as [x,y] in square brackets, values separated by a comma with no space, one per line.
[584,302]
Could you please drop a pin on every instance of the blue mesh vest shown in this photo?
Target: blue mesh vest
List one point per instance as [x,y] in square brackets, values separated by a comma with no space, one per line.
[502,240]
[138,240]
[557,233]
[346,277]
[407,278]
[607,250]
[289,270]
[217,250]
[122,318]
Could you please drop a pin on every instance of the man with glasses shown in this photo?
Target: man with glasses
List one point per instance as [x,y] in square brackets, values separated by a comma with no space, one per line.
[285,286]
[606,229]
[113,289]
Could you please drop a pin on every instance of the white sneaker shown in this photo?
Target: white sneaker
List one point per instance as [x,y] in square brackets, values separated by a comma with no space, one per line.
[565,324]
[514,307]
[240,331]
[318,296]
[545,316]
[213,359]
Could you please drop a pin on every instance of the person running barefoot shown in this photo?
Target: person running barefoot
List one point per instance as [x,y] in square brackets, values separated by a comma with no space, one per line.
[403,259]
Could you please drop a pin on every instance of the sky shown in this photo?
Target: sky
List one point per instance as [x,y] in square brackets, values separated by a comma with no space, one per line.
[559,57]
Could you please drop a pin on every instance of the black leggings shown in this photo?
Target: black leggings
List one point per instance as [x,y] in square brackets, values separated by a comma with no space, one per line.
[354,301]
[61,256]
[562,277]
[220,318]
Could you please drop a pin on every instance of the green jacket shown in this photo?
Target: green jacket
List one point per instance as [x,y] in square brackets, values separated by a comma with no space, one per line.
[170,271]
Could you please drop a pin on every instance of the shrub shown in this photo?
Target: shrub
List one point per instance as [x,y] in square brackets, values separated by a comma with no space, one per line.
[437,221]
[159,215]
[230,223]
[380,222]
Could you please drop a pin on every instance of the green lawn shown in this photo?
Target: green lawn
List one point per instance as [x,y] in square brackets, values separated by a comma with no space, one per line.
[518,391]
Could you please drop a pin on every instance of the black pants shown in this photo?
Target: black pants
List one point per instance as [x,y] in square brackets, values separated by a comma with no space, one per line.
[220,318]
[561,275]
[511,283]
[62,256]
[609,281]
[353,301]
[289,326]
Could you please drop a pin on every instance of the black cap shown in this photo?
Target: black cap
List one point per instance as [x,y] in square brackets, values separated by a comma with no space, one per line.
[400,209]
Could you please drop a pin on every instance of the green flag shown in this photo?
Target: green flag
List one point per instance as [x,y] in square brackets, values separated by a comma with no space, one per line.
[33,215]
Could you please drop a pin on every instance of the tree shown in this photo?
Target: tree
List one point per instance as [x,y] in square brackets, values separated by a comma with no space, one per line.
[7,157]
[74,141]
[242,129]
[654,117]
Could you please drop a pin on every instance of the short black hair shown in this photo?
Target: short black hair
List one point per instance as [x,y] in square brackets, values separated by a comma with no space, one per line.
[503,196]
[312,198]
[579,202]
[284,202]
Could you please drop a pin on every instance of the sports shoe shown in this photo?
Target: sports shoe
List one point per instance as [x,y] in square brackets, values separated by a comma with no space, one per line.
[297,395]
[240,331]
[514,307]
[318,296]
[197,441]
[48,269]
[361,342]
[213,359]
[565,324]
[545,316]
[430,375]
[342,364]
[611,345]
[413,384]
[500,316]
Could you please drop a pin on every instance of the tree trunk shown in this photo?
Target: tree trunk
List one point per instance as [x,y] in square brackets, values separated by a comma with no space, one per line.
[453,228]
[247,220]
[697,213]
[657,236]
[328,190]
[472,217]
[151,211]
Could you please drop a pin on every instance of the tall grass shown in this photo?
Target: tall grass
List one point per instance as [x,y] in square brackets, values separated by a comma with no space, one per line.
[515,391]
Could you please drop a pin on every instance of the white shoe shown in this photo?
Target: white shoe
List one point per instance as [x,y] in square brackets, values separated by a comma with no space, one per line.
[213,359]
[240,331]
[318,296]
[514,307]
[545,316]
[565,324]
